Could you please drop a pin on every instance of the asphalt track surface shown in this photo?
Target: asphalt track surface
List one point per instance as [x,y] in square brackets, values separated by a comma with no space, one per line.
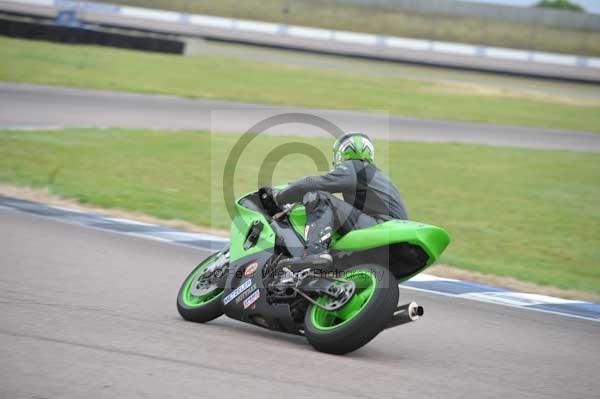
[36,106]
[90,313]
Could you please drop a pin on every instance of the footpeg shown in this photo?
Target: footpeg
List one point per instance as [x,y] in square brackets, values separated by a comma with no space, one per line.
[320,262]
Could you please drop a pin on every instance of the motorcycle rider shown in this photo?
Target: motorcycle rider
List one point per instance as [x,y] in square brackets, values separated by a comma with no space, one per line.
[369,196]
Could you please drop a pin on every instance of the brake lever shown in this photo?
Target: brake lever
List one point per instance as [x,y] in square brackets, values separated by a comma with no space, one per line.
[287,208]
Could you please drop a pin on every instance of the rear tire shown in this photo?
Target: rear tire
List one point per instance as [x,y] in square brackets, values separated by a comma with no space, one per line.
[343,336]
[193,308]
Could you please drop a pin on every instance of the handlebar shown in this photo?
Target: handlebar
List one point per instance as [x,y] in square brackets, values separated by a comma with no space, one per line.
[287,208]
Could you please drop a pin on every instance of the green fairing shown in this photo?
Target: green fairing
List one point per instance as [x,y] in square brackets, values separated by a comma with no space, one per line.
[433,240]
[298,219]
[239,230]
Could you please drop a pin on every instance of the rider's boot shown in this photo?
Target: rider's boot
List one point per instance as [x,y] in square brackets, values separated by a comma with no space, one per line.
[317,254]
[321,261]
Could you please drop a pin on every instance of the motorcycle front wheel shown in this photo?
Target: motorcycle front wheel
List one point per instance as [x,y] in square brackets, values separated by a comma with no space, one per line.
[356,323]
[202,306]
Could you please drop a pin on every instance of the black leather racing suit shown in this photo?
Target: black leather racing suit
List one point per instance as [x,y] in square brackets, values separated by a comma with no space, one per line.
[369,197]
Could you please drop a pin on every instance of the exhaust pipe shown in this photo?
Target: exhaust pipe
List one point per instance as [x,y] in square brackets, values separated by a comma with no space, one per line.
[406,314]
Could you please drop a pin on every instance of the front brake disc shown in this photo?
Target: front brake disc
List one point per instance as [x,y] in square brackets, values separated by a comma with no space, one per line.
[202,287]
[207,281]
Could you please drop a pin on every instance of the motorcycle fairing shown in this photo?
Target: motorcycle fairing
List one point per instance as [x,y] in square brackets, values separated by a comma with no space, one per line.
[431,239]
[407,247]
[275,316]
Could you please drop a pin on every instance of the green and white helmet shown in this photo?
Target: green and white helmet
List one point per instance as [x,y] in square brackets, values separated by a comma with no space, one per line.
[352,146]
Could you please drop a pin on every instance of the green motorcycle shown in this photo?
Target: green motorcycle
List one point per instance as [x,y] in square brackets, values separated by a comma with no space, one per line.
[338,310]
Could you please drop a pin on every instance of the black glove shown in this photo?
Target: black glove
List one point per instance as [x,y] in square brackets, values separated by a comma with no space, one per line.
[266,195]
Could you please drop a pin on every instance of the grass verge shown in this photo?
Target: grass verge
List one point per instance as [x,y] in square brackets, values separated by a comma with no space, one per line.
[373,18]
[252,81]
[532,215]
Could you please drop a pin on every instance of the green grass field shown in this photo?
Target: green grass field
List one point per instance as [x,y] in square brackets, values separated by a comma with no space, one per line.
[252,81]
[334,14]
[533,215]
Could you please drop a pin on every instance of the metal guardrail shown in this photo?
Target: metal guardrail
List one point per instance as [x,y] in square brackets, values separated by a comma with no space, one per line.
[67,29]
[533,16]
[459,55]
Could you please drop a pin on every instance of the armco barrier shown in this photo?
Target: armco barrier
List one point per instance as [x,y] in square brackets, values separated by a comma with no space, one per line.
[457,55]
[458,8]
[84,35]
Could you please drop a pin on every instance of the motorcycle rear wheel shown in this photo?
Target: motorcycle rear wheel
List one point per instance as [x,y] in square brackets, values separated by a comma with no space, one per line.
[360,320]
[200,309]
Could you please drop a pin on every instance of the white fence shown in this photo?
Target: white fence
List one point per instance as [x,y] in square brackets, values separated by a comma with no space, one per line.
[525,15]
[376,44]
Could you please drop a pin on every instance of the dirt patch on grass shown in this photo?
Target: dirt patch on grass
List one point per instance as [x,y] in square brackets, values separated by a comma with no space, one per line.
[44,196]
[474,89]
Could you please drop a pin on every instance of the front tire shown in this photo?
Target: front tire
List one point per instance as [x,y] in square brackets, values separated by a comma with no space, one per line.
[201,309]
[361,319]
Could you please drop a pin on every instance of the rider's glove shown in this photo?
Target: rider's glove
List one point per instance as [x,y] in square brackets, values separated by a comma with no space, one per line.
[267,199]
